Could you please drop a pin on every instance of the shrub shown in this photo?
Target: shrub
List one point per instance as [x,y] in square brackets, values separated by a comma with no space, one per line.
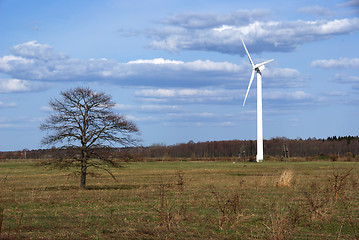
[285,179]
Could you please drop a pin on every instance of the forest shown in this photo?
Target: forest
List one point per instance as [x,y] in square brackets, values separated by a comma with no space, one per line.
[332,147]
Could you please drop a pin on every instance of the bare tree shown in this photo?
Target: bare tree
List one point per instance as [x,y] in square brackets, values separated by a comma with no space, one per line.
[84,123]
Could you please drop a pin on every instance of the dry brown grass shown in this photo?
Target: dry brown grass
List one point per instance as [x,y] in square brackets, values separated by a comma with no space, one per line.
[181,200]
[285,179]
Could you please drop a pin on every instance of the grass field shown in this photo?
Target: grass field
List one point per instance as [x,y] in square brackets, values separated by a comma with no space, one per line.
[183,200]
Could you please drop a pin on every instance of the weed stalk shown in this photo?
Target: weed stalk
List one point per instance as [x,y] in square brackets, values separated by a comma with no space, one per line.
[1,217]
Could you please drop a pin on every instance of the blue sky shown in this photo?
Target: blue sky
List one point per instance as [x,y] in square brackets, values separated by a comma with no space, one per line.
[178,69]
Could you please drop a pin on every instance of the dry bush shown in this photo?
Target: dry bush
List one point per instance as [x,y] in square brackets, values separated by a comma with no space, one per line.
[180,180]
[229,208]
[170,211]
[318,202]
[339,181]
[165,209]
[280,223]
[285,179]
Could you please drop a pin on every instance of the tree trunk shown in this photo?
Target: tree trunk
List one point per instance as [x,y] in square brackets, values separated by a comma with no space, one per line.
[83,174]
[83,169]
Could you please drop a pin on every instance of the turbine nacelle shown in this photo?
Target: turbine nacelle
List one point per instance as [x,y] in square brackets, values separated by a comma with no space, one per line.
[260,66]
[256,68]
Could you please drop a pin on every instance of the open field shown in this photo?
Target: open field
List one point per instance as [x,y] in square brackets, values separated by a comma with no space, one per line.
[183,200]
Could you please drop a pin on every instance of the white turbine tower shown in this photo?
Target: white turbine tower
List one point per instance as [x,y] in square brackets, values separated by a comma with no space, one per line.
[257,68]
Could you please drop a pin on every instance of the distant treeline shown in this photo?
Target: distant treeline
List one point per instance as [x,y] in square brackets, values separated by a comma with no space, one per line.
[279,146]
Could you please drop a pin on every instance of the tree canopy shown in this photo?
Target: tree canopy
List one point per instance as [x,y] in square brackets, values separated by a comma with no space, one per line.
[83,120]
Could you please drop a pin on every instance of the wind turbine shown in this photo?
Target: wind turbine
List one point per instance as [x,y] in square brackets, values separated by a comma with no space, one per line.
[257,68]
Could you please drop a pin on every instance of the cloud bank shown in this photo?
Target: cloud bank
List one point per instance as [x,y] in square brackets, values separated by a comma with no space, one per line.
[220,96]
[32,61]
[223,33]
[211,20]
[337,63]
[38,62]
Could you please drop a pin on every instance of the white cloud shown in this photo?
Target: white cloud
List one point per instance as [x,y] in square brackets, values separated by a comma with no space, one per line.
[339,26]
[156,93]
[148,108]
[344,78]
[32,63]
[16,85]
[185,96]
[8,63]
[282,73]
[292,100]
[33,49]
[177,92]
[223,28]
[156,108]
[259,35]
[156,72]
[186,115]
[337,63]
[123,106]
[201,119]
[350,3]
[282,78]
[336,93]
[18,121]
[208,20]
[219,96]
[142,119]
[208,65]
[155,61]
[7,105]
[7,125]
[226,124]
[286,95]
[194,117]
[46,109]
[316,10]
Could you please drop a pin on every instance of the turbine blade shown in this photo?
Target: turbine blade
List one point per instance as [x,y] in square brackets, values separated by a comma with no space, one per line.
[263,63]
[249,57]
[249,86]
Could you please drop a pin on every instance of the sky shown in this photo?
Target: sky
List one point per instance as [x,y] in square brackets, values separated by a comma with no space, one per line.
[178,68]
